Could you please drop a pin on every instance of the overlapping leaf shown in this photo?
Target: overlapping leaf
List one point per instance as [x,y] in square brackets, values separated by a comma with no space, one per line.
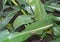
[23,19]
[39,26]
[38,9]
[7,19]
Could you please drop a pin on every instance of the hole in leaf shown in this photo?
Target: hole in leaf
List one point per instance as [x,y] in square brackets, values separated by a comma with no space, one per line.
[20,28]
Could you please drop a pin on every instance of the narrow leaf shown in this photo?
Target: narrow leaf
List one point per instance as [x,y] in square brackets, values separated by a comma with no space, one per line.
[38,9]
[7,19]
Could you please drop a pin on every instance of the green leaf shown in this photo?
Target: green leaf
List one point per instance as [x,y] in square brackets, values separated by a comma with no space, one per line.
[53,6]
[38,9]
[25,6]
[13,37]
[56,30]
[1,13]
[4,14]
[7,19]
[4,2]
[57,18]
[19,37]
[29,9]
[47,4]
[23,19]
[39,26]
[4,34]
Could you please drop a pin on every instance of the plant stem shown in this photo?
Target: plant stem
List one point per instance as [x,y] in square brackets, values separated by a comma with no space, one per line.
[18,5]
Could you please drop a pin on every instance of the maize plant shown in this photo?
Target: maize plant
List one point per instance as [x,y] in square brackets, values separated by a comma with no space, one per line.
[29,20]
